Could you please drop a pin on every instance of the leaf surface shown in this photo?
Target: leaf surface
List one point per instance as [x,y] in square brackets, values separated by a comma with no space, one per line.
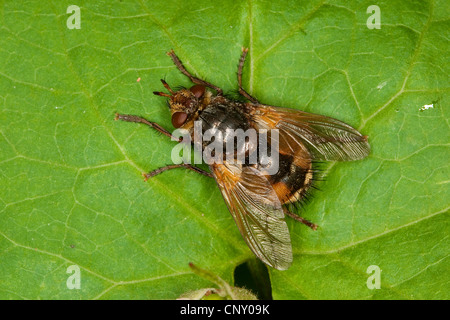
[70,176]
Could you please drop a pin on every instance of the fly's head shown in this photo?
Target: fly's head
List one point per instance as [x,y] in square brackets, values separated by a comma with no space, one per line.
[184,103]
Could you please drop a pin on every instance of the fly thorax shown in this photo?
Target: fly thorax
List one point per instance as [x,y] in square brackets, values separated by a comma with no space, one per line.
[227,134]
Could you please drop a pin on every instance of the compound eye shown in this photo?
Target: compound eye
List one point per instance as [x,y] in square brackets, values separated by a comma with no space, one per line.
[198,90]
[179,118]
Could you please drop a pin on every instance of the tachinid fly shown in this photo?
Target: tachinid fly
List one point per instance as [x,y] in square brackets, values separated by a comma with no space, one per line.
[257,200]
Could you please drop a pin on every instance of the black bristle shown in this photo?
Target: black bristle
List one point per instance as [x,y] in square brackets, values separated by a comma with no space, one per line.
[178,88]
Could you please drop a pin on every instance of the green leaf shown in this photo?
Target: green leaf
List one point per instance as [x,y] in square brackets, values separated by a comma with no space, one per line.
[223,291]
[70,176]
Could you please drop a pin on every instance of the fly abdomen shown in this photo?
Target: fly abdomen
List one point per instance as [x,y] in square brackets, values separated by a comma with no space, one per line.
[292,180]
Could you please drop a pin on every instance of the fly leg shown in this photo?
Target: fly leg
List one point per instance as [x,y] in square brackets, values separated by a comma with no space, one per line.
[195,80]
[137,119]
[239,75]
[174,166]
[300,219]
[132,118]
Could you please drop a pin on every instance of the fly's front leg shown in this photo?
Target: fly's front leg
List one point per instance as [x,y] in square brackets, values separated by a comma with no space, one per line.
[154,125]
[174,166]
[195,80]
[239,75]
[137,119]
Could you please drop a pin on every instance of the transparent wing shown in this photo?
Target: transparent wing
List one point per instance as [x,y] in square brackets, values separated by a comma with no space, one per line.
[257,212]
[325,138]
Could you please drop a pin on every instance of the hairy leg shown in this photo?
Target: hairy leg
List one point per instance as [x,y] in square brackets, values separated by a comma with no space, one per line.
[132,118]
[300,219]
[137,119]
[174,166]
[239,75]
[195,80]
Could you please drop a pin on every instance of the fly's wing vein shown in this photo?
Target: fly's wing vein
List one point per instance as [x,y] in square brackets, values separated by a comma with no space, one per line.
[257,211]
[325,138]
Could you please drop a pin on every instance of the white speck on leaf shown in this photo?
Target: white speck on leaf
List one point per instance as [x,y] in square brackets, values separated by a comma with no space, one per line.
[427,106]
[381,85]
